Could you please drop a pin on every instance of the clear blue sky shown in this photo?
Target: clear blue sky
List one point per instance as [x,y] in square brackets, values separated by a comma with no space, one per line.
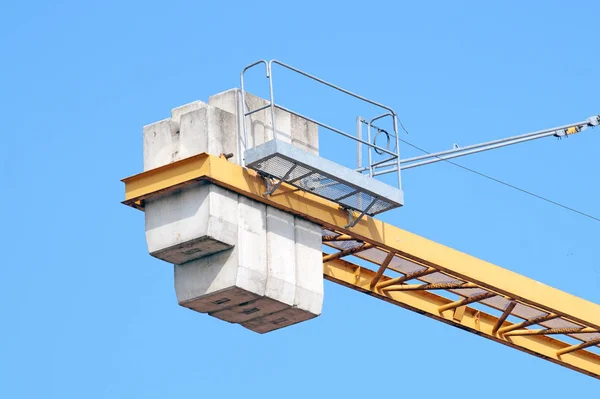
[86,312]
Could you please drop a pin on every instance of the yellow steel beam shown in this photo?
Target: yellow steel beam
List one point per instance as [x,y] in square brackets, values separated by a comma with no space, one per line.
[473,320]
[393,242]
[167,177]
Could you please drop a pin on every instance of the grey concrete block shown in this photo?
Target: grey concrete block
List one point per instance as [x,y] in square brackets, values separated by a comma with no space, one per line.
[309,266]
[289,128]
[246,311]
[192,129]
[307,261]
[214,274]
[233,277]
[159,145]
[209,130]
[281,249]
[252,245]
[236,259]
[190,223]
[275,321]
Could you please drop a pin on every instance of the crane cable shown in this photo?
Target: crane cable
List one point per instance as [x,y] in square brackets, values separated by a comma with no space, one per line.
[503,182]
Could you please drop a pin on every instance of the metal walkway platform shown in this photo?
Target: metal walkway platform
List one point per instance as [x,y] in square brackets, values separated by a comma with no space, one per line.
[322,177]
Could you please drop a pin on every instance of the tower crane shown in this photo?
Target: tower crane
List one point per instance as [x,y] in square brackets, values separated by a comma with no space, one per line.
[381,260]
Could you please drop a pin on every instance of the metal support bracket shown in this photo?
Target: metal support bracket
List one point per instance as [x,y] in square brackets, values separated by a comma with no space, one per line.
[351,221]
[271,188]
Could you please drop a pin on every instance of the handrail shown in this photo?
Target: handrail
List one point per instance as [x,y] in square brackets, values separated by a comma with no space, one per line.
[330,85]
[271,104]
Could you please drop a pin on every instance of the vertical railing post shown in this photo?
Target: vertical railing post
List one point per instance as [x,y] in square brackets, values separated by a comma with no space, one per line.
[370,156]
[359,120]
[244,132]
[245,113]
[397,150]
[270,75]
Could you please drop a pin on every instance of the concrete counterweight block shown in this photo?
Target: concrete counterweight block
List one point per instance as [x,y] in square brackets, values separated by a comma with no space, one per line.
[181,227]
[307,276]
[190,223]
[236,259]
[289,128]
[195,221]
[271,278]
[236,277]
[309,266]
[192,129]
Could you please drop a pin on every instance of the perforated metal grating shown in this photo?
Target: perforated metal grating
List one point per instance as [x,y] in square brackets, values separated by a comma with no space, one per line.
[334,182]
[323,185]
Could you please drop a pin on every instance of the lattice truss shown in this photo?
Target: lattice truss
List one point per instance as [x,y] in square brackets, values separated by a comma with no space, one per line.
[482,310]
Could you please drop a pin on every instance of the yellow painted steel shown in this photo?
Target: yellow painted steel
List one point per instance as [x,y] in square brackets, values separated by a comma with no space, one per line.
[473,320]
[166,177]
[411,276]
[509,308]
[390,239]
[573,130]
[382,268]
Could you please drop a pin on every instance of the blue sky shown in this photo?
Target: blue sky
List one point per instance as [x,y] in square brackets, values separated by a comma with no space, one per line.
[86,312]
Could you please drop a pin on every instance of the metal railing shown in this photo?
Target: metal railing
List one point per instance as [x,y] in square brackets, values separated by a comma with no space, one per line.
[394,156]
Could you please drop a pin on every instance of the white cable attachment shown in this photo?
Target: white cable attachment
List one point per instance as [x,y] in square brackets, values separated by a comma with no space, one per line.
[591,121]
